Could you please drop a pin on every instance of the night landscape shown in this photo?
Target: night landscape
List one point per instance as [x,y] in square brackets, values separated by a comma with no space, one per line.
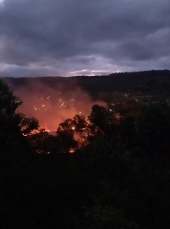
[84,114]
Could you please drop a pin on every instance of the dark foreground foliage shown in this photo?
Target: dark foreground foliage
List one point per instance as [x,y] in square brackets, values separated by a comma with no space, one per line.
[118,177]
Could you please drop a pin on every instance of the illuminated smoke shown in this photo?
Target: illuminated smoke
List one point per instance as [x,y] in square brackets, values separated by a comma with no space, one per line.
[51,106]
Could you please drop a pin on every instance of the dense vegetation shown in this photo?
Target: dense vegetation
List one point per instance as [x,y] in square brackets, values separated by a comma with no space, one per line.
[118,177]
[152,82]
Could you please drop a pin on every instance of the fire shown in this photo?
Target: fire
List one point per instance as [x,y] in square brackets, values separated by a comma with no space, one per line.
[72,151]
[37,132]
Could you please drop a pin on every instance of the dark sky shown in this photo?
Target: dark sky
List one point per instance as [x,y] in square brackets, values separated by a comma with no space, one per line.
[80,37]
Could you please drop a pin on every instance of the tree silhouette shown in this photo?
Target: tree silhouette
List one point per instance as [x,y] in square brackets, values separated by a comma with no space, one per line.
[154,131]
[65,134]
[12,125]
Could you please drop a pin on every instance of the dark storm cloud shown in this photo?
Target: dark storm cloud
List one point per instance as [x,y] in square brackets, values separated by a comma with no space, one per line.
[62,37]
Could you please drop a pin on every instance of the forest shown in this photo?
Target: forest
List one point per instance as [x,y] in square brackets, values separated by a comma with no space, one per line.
[107,170]
[153,81]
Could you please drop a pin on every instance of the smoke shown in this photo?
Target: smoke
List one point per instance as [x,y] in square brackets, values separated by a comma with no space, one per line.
[52,105]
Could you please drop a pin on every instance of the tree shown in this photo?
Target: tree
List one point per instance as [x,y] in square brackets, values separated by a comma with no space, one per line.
[104,121]
[153,128]
[98,117]
[44,143]
[127,132]
[82,130]
[12,124]
[65,134]
[101,217]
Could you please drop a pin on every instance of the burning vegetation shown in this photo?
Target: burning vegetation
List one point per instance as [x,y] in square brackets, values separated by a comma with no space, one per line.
[83,166]
[51,106]
[68,119]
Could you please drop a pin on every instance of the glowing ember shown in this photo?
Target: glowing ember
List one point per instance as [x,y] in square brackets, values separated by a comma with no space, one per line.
[53,106]
[72,151]
[37,132]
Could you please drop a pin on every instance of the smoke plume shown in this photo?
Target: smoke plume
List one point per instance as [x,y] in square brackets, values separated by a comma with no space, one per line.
[52,105]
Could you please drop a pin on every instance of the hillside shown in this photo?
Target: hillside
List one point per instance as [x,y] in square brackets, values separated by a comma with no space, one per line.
[153,82]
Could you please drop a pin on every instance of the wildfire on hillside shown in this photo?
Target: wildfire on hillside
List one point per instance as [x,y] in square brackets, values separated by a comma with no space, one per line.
[53,106]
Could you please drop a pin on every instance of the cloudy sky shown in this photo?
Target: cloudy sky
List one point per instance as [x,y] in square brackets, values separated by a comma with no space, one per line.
[80,37]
